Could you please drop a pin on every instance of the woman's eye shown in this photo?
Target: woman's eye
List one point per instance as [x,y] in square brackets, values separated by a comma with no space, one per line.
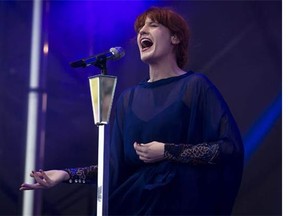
[139,29]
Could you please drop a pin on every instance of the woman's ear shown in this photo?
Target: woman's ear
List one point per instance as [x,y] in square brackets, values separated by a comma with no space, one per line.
[174,40]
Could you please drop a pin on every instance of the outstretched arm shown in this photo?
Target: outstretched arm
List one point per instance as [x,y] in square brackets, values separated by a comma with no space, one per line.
[45,180]
[84,175]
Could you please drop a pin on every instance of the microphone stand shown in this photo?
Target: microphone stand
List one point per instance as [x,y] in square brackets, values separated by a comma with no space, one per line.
[102,88]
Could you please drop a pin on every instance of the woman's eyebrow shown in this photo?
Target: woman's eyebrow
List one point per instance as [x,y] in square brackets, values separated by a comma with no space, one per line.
[152,22]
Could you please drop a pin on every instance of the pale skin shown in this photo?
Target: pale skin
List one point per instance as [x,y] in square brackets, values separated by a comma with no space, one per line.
[45,180]
[162,64]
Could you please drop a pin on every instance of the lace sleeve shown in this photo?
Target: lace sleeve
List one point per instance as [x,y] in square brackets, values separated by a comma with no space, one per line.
[84,175]
[195,154]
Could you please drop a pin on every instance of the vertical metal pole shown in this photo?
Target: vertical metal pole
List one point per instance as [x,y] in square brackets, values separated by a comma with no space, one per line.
[101,141]
[36,99]
[102,88]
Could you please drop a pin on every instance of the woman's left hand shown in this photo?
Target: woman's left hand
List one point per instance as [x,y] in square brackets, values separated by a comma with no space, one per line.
[150,152]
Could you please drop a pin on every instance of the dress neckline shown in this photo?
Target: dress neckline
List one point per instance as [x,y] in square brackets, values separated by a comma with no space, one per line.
[164,81]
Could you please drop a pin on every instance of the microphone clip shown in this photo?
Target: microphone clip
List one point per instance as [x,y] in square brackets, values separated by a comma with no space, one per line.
[101,64]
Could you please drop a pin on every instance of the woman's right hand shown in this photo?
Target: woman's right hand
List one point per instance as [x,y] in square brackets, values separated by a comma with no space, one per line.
[45,180]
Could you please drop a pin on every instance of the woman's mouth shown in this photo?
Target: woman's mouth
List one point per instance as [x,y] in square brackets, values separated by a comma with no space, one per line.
[146,43]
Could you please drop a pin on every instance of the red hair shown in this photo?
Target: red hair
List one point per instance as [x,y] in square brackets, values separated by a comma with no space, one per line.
[175,23]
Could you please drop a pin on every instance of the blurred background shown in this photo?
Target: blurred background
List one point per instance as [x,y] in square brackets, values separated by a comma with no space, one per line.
[237,44]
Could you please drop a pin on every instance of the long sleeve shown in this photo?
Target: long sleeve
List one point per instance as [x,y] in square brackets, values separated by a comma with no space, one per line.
[203,150]
[117,166]
[194,154]
[212,124]
[83,175]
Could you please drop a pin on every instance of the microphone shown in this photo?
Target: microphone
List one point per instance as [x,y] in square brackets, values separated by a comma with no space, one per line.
[114,53]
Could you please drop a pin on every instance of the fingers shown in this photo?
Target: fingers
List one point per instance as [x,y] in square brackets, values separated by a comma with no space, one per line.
[140,149]
[150,152]
[26,186]
[46,178]
[42,181]
[138,146]
[39,173]
[142,152]
[39,178]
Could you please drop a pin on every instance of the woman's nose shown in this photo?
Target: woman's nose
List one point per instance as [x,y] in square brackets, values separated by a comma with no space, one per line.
[143,30]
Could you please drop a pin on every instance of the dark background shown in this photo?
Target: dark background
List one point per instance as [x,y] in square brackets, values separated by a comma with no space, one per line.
[237,44]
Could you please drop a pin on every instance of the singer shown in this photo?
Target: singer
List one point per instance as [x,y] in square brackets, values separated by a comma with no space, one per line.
[175,147]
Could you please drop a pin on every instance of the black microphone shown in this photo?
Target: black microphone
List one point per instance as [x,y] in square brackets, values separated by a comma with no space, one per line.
[114,53]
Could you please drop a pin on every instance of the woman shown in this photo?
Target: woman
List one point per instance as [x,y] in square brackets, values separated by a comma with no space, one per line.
[175,148]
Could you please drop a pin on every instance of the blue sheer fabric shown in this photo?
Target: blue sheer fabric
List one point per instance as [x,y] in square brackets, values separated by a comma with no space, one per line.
[186,109]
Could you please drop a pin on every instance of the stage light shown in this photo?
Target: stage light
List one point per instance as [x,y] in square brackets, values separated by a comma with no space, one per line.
[261,127]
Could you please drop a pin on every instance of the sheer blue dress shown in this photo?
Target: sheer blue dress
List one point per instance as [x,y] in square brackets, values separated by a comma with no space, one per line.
[202,169]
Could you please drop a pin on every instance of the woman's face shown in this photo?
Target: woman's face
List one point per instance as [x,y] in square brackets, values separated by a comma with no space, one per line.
[154,42]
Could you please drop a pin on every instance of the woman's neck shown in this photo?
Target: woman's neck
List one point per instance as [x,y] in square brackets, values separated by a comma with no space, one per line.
[158,72]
